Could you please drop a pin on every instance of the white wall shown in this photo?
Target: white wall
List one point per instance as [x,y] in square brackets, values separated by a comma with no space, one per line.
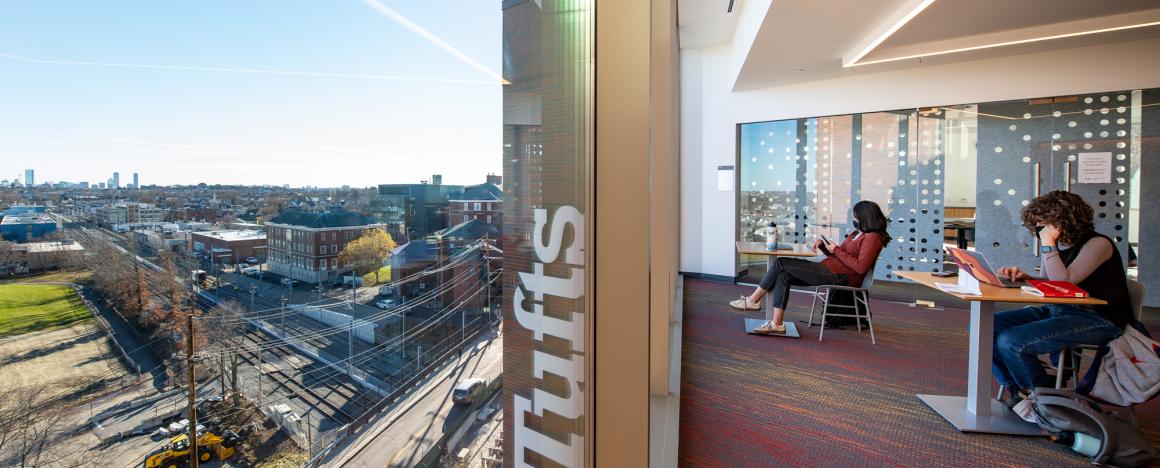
[710,113]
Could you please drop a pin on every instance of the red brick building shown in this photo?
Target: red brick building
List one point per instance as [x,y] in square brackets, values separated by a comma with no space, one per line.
[229,247]
[483,202]
[304,245]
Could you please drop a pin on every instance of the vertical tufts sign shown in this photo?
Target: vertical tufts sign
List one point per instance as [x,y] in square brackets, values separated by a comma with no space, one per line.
[547,130]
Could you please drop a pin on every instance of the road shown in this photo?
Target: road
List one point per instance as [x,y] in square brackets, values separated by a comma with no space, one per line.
[405,435]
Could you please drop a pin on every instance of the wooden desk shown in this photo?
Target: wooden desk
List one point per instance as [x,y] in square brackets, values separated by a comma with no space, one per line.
[978,412]
[758,248]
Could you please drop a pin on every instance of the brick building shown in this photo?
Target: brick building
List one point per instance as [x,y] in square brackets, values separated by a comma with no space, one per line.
[483,202]
[304,245]
[229,247]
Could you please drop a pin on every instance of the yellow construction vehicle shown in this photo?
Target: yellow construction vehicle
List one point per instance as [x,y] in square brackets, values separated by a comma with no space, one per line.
[175,454]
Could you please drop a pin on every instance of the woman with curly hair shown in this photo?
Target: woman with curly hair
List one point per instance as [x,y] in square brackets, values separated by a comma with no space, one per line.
[1070,251]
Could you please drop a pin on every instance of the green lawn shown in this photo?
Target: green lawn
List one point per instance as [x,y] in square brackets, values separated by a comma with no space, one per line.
[30,307]
[384,277]
[66,276]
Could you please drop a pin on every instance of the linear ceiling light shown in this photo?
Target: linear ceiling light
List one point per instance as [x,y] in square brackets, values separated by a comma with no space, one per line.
[882,36]
[1009,43]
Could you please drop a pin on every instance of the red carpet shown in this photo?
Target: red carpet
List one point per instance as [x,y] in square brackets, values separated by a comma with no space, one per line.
[758,401]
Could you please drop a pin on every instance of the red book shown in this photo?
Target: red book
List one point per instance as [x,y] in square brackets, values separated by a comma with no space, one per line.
[1056,289]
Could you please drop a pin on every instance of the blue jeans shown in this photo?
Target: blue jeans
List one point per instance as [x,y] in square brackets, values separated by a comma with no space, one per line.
[1021,335]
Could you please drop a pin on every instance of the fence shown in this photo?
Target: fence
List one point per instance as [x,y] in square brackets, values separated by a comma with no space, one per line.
[362,329]
[108,329]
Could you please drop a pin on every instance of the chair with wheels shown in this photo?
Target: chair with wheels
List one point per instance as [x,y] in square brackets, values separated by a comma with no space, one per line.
[861,304]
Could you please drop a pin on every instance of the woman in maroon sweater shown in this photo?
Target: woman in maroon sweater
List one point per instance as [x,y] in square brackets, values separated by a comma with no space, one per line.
[845,264]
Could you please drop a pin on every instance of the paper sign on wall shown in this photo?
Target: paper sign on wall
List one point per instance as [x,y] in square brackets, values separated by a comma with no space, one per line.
[1095,168]
[725,178]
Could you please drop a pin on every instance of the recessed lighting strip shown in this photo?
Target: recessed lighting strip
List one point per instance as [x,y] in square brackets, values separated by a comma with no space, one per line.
[855,63]
[853,60]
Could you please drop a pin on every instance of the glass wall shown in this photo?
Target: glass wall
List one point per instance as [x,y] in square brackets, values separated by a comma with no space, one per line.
[547,134]
[805,175]
[939,171]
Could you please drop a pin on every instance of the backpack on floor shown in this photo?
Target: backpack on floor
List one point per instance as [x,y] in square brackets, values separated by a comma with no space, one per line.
[845,298]
[1060,412]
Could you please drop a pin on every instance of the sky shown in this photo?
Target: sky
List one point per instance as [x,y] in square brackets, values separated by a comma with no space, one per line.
[303,92]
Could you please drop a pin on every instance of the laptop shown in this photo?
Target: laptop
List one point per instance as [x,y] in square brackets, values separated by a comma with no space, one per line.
[975,264]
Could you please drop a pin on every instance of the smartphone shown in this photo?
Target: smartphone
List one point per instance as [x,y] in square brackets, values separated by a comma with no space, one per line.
[823,246]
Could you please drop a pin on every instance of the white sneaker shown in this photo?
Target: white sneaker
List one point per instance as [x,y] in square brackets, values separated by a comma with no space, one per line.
[1026,410]
[745,304]
[768,328]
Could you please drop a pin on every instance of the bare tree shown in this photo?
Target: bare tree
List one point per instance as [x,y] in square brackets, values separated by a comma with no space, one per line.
[30,427]
[224,332]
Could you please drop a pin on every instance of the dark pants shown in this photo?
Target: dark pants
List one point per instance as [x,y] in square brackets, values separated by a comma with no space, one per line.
[788,272]
[1021,335]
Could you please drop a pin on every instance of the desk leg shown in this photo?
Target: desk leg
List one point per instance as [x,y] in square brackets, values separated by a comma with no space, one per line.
[979,366]
[978,412]
[767,304]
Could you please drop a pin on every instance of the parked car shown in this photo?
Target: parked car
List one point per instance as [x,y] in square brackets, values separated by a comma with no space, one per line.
[468,390]
[288,282]
[385,303]
[249,271]
[252,260]
[386,290]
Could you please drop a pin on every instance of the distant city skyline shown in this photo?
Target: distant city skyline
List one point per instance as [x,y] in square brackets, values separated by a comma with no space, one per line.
[102,180]
[319,94]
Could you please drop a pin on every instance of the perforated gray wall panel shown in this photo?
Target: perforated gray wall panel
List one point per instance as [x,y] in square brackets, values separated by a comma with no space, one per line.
[1016,136]
[915,206]
[1149,241]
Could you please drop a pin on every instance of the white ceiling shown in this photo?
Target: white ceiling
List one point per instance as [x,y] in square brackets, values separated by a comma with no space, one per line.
[807,40]
[702,23]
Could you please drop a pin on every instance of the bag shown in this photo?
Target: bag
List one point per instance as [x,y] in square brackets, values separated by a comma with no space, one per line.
[1064,411]
[844,298]
[1126,371]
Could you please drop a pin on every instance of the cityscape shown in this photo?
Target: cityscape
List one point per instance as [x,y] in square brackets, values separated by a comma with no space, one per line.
[316,314]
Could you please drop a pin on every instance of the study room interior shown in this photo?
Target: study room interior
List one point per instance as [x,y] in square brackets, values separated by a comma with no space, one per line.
[956,119]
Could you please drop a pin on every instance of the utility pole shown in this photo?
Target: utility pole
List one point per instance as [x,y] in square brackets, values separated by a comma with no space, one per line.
[309,438]
[253,289]
[487,271]
[350,347]
[192,394]
[282,318]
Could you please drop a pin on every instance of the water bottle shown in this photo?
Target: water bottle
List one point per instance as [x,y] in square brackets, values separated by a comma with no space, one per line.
[771,235]
[1082,443]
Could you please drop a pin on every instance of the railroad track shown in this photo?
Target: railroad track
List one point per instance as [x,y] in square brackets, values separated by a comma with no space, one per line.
[308,395]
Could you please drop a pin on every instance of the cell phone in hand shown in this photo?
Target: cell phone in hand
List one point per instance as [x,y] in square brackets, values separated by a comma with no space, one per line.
[823,247]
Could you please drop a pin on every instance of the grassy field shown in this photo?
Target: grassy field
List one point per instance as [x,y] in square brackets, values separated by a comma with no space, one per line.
[31,307]
[66,276]
[384,277]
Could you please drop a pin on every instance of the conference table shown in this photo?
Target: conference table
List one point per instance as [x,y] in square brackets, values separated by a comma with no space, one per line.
[962,227]
[978,411]
[784,250]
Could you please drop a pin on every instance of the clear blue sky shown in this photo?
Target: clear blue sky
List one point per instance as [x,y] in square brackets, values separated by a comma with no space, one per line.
[170,90]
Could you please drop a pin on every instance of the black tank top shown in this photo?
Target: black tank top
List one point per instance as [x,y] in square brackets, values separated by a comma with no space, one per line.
[1108,282]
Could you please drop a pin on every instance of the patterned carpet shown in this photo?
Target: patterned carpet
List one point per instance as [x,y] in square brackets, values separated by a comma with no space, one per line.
[759,401]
